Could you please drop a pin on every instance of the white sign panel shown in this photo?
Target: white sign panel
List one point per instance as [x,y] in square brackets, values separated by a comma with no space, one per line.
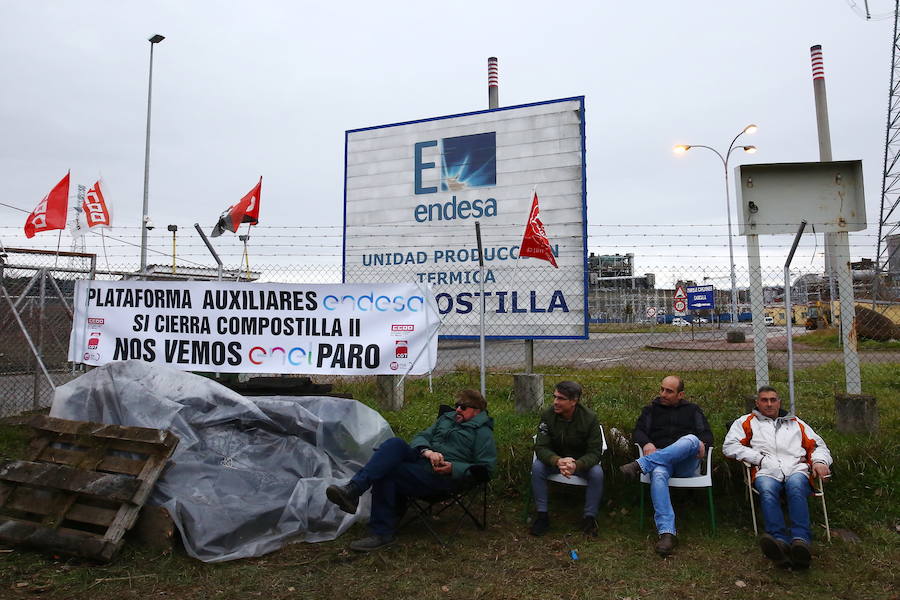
[414,191]
[258,327]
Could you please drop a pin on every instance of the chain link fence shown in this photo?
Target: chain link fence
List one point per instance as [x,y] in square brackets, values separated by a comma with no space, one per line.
[631,320]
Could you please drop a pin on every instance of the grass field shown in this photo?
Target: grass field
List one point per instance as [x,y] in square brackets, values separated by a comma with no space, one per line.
[505,562]
[830,339]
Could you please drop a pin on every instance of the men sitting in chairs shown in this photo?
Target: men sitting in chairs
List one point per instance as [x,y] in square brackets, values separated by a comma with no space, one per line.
[435,460]
[784,453]
[568,442]
[674,436]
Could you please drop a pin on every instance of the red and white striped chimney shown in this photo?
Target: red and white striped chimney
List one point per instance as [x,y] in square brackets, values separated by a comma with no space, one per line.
[493,83]
[818,63]
[821,99]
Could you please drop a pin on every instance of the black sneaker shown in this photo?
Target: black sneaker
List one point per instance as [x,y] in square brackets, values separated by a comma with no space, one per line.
[666,544]
[345,496]
[631,470]
[373,542]
[540,525]
[775,550]
[800,554]
[589,525]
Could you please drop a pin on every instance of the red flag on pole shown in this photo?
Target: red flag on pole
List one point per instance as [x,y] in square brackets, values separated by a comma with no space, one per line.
[535,243]
[94,206]
[51,212]
[245,211]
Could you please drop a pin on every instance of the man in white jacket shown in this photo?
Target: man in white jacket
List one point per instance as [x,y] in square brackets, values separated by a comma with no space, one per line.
[784,454]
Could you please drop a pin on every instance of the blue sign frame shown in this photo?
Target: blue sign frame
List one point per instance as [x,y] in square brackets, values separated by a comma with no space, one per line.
[701,297]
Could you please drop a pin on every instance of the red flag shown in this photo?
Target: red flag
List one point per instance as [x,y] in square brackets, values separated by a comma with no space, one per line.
[51,212]
[245,211]
[95,210]
[535,243]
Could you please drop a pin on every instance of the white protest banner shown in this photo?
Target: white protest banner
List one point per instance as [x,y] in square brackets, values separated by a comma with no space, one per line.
[357,329]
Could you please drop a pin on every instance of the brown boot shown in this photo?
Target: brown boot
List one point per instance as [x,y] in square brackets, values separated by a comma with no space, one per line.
[345,496]
[800,554]
[666,544]
[775,550]
[631,470]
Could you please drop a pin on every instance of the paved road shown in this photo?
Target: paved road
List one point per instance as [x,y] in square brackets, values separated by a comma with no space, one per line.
[677,350]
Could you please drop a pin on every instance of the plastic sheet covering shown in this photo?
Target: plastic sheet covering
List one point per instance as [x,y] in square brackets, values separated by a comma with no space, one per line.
[249,474]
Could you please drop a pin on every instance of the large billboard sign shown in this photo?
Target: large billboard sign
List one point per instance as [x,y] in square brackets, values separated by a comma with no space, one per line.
[413,192]
[234,327]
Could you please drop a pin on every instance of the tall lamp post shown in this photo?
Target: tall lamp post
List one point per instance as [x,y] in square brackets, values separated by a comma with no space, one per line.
[145,218]
[681,149]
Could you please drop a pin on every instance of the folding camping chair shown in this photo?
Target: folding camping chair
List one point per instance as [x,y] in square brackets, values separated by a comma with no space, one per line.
[702,480]
[470,496]
[818,491]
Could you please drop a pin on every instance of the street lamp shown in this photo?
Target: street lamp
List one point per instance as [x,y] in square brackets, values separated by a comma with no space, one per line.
[174,230]
[145,218]
[681,149]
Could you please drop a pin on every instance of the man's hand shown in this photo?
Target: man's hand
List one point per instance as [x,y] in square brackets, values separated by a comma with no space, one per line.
[701,453]
[821,471]
[436,458]
[649,448]
[566,466]
[444,468]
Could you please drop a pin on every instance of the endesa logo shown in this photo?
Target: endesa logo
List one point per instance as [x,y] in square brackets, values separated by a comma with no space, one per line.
[278,355]
[371,302]
[468,161]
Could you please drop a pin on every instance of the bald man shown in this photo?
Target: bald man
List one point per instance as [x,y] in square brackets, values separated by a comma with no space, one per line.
[674,435]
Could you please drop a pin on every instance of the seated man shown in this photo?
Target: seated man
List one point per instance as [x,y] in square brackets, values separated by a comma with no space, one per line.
[436,460]
[784,452]
[568,442]
[674,435]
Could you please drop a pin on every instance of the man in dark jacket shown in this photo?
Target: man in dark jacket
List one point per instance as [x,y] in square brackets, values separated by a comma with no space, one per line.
[674,435]
[568,442]
[435,460]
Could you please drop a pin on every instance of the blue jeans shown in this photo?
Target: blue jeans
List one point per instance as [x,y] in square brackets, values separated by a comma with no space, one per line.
[796,490]
[676,460]
[394,473]
[594,476]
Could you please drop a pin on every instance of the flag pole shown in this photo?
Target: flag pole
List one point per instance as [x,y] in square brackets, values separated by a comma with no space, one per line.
[245,238]
[529,343]
[481,311]
[105,255]
[58,243]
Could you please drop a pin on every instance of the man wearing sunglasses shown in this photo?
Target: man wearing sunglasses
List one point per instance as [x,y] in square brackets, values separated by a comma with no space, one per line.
[435,460]
[568,442]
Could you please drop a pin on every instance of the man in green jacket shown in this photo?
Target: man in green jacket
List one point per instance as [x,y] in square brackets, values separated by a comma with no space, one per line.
[435,460]
[568,442]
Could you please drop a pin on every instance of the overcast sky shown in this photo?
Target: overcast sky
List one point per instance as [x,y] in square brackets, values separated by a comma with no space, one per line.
[268,88]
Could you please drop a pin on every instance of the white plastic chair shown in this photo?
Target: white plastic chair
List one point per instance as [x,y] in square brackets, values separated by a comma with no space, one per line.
[703,480]
[818,491]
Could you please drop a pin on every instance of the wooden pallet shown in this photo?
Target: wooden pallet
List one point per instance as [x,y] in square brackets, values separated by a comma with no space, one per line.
[81,486]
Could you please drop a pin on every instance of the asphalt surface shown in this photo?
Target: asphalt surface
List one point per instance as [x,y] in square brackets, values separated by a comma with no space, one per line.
[679,351]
